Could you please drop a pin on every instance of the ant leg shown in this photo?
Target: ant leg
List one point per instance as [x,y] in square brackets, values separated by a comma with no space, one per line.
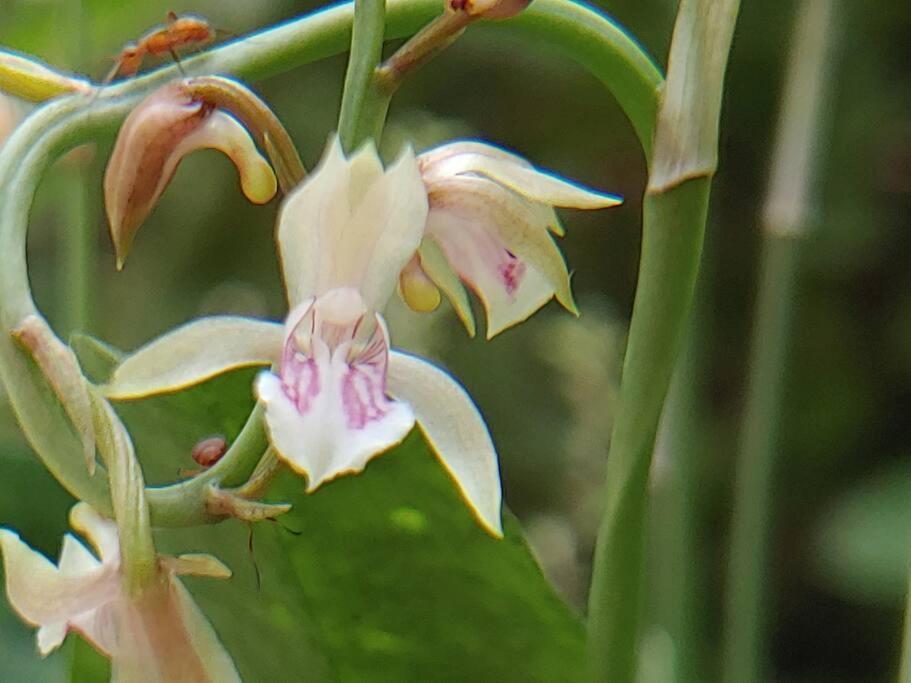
[112,74]
[177,61]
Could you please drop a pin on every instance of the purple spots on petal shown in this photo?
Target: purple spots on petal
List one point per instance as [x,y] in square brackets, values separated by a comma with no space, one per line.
[511,272]
[300,380]
[363,399]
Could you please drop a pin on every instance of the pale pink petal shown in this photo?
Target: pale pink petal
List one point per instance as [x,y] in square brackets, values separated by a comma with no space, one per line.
[514,172]
[46,597]
[327,412]
[509,289]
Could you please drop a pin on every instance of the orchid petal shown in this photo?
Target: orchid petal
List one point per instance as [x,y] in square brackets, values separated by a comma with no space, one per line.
[219,668]
[352,224]
[531,183]
[319,443]
[508,287]
[47,597]
[100,531]
[194,353]
[438,270]
[161,636]
[224,133]
[327,413]
[455,430]
[519,225]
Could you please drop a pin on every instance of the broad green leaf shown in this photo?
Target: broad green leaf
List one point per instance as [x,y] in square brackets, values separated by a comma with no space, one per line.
[404,585]
[864,542]
[87,665]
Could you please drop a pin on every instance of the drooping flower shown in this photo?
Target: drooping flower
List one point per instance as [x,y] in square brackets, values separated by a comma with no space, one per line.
[489,225]
[156,136]
[339,395]
[158,636]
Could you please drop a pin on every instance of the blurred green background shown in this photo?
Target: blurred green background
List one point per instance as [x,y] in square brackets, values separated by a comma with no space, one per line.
[842,516]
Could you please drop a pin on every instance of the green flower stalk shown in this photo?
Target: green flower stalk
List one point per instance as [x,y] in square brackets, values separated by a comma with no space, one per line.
[683,162]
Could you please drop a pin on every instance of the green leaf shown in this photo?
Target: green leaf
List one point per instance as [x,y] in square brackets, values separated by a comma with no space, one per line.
[405,586]
[87,665]
[863,546]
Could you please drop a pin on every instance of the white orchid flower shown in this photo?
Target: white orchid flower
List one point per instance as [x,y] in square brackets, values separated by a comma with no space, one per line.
[338,395]
[489,224]
[158,636]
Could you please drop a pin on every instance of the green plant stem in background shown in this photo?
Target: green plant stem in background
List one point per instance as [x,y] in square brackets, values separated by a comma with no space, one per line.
[363,110]
[904,670]
[792,180]
[589,38]
[684,159]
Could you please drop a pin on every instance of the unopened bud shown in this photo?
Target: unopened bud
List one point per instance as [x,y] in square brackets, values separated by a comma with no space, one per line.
[29,79]
[489,9]
[156,136]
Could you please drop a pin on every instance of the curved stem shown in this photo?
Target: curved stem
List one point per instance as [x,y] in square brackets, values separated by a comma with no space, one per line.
[582,34]
[358,121]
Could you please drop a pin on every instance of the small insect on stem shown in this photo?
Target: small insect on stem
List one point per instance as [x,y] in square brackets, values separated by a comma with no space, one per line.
[208,451]
[205,453]
[177,32]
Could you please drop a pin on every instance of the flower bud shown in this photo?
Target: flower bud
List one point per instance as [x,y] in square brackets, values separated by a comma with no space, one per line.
[29,79]
[163,129]
[489,9]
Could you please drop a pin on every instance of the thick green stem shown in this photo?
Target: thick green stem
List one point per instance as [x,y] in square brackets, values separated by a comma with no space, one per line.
[677,509]
[363,106]
[591,39]
[671,249]
[675,212]
[785,216]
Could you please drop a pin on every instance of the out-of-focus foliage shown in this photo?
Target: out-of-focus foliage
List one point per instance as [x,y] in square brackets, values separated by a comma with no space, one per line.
[546,386]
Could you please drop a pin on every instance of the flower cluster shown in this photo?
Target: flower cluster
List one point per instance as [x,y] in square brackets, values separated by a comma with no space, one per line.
[338,394]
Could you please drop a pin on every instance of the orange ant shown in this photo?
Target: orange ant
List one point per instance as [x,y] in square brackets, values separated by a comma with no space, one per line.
[177,32]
